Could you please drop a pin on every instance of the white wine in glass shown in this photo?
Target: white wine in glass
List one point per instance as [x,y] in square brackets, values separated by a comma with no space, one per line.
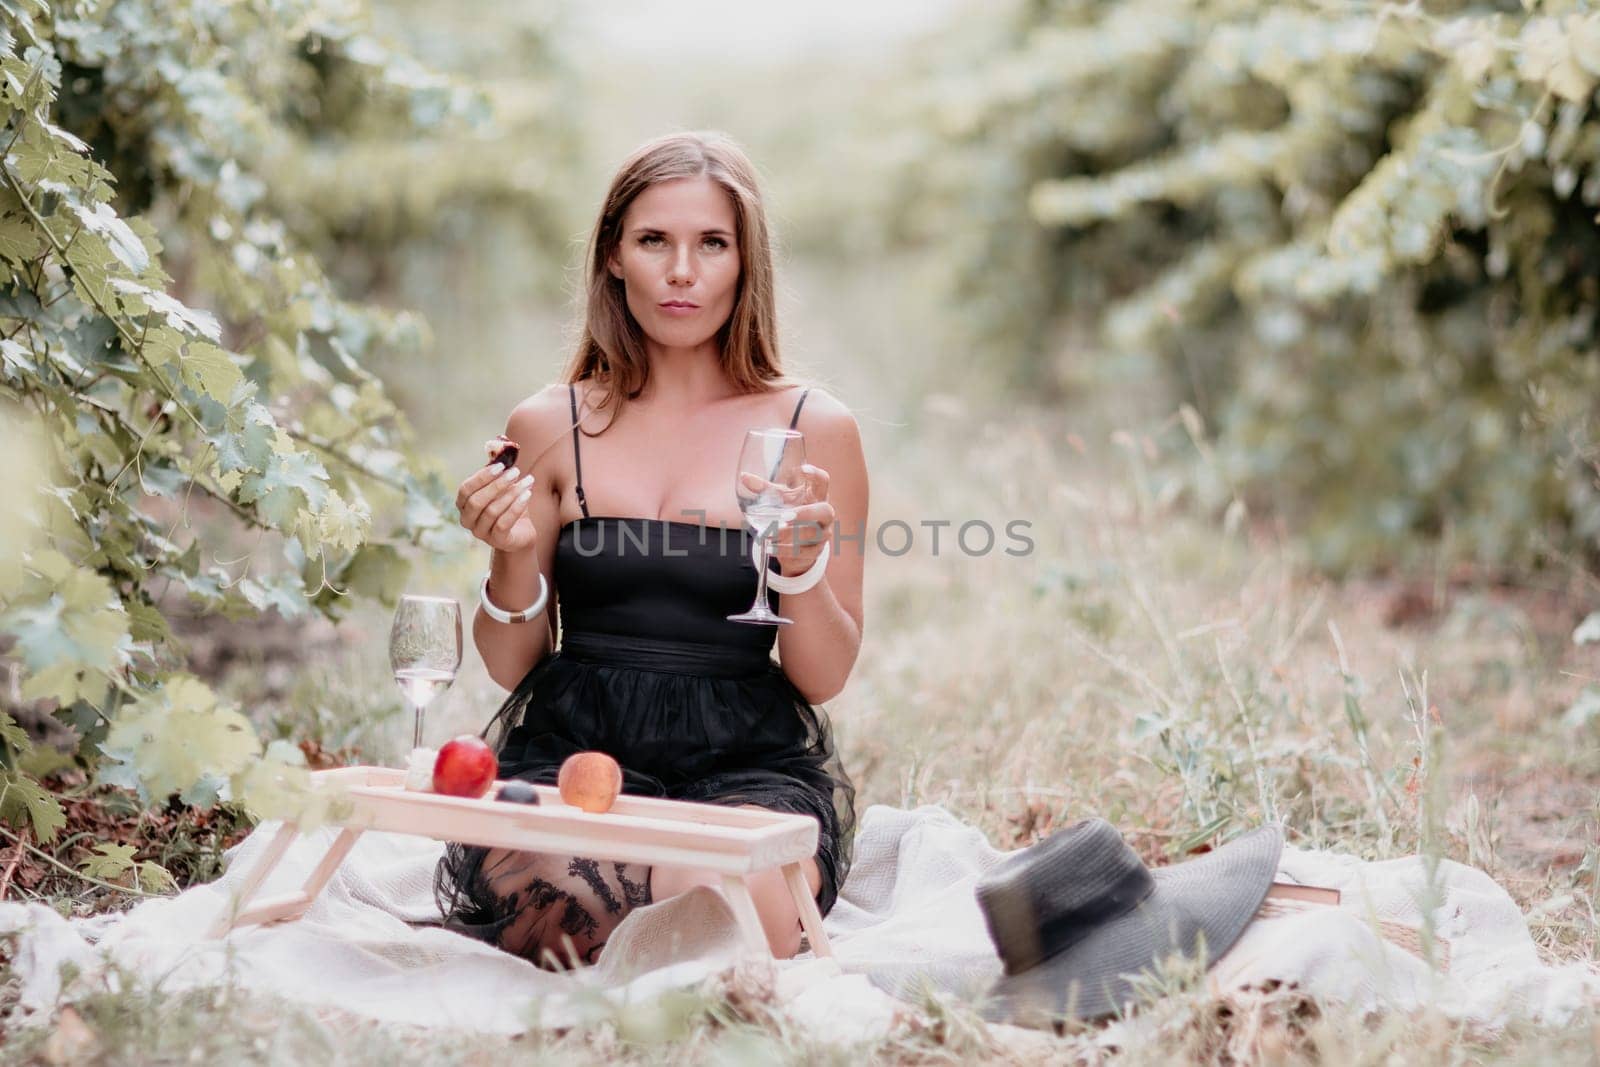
[425,651]
[768,483]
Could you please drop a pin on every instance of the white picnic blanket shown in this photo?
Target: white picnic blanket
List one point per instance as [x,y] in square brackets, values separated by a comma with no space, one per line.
[906,921]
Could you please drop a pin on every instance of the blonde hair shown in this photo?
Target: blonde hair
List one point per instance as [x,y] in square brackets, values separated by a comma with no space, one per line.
[611,350]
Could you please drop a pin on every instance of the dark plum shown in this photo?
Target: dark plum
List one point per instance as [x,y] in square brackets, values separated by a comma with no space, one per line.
[518,793]
[502,449]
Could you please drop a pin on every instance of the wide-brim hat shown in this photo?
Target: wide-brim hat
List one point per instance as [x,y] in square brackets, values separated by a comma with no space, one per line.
[1078,917]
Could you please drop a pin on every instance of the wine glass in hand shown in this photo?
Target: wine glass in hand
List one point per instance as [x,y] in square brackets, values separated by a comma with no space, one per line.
[769,483]
[425,650]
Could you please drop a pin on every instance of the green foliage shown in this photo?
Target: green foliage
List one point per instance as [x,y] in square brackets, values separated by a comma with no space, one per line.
[110,862]
[180,372]
[174,739]
[23,800]
[1359,238]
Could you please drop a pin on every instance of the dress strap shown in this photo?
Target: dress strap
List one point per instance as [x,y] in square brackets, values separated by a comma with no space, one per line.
[577,458]
[798,405]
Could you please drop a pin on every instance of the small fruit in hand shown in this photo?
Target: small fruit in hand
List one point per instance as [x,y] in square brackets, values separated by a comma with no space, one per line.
[518,792]
[590,780]
[501,449]
[465,768]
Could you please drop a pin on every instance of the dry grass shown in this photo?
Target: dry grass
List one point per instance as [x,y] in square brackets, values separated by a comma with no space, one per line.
[1148,665]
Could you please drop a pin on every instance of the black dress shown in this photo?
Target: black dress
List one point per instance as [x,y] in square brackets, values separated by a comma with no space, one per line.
[651,671]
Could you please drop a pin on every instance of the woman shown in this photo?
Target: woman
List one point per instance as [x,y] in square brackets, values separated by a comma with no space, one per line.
[621,509]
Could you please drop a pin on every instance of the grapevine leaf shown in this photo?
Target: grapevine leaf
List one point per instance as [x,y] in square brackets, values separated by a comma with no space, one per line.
[90,280]
[207,369]
[73,625]
[14,357]
[1548,56]
[245,442]
[44,761]
[154,878]
[1585,34]
[377,570]
[292,481]
[64,683]
[124,243]
[106,449]
[20,303]
[13,735]
[162,345]
[20,242]
[159,479]
[204,792]
[177,736]
[342,525]
[21,797]
[146,624]
[204,587]
[131,295]
[423,511]
[30,158]
[278,786]
[285,594]
[108,861]
[181,317]
[71,140]
[117,775]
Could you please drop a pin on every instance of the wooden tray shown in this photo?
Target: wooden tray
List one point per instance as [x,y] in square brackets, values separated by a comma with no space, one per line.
[733,842]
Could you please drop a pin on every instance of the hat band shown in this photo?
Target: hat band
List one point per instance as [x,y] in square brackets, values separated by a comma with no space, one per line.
[1064,927]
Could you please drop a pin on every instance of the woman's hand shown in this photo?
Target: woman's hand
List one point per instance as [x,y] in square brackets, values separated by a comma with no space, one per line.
[494,505]
[807,524]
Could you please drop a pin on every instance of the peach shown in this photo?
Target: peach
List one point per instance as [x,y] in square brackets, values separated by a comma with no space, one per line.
[590,780]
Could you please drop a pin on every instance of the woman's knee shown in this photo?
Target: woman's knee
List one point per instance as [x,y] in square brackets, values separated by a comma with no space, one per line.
[780,916]
[775,906]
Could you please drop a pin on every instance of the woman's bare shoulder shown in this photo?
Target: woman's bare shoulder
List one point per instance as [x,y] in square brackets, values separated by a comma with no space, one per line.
[825,414]
[819,399]
[541,420]
[541,407]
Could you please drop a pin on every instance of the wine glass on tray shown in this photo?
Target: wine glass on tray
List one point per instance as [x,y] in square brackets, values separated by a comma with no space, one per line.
[768,483]
[425,650]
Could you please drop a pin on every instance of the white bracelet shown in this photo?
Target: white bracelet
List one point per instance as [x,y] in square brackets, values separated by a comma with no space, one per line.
[525,615]
[795,583]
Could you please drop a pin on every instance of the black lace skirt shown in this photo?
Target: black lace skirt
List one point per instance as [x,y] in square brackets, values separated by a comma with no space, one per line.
[686,721]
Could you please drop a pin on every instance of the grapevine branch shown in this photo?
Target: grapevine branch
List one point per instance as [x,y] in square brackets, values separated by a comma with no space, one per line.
[58,865]
[136,346]
[11,869]
[215,494]
[133,344]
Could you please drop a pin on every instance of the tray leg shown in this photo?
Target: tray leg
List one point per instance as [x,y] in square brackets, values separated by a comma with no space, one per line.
[336,853]
[269,859]
[806,904]
[744,912]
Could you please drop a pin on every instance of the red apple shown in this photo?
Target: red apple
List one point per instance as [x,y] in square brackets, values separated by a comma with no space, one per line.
[466,767]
